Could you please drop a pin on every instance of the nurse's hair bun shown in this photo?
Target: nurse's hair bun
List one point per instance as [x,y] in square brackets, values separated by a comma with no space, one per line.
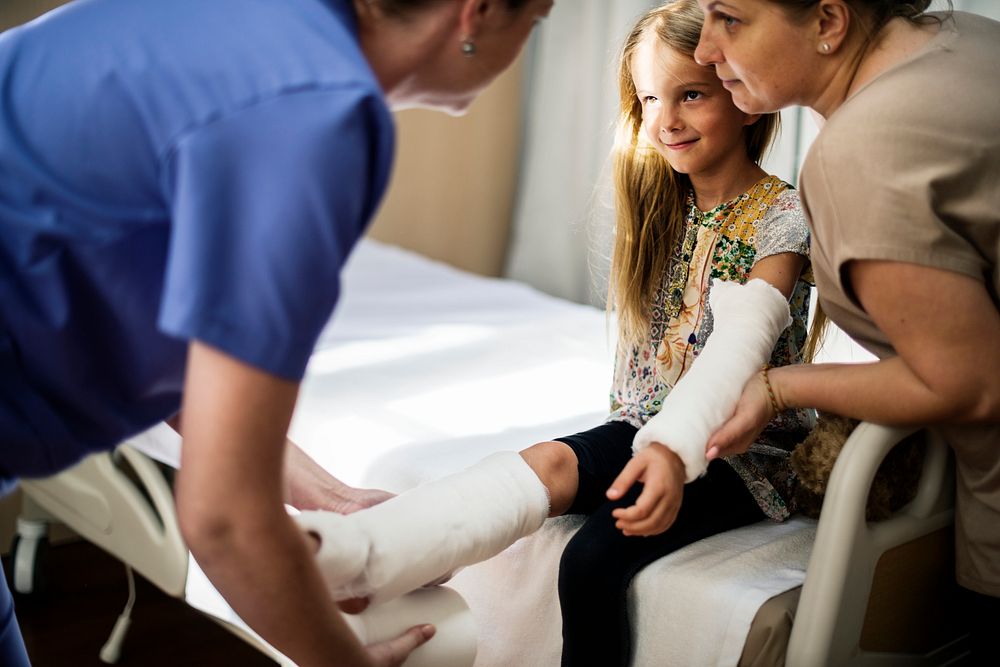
[907,9]
[408,7]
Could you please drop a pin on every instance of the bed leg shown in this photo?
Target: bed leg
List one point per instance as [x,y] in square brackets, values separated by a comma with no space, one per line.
[112,649]
[30,550]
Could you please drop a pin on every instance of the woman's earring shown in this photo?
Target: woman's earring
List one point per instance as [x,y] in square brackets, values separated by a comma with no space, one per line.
[468,48]
[825,47]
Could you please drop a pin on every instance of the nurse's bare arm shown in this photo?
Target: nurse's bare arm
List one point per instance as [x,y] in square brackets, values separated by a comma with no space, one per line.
[230,500]
[946,331]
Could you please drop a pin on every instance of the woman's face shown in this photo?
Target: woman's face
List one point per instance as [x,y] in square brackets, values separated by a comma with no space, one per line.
[763,58]
[453,82]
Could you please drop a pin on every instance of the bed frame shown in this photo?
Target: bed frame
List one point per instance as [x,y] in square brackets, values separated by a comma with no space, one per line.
[122,502]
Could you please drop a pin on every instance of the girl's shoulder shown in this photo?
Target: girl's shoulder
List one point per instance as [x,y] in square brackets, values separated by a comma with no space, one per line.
[783,227]
[787,201]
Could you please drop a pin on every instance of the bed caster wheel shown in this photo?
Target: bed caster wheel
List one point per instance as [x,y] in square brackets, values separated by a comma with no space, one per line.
[29,556]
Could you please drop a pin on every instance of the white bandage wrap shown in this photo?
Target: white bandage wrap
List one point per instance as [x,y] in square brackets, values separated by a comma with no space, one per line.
[455,641]
[747,322]
[419,536]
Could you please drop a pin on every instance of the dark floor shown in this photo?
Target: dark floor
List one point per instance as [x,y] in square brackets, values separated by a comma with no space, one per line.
[86,589]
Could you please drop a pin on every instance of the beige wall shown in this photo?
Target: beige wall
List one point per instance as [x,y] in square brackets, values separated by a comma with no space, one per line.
[15,12]
[452,192]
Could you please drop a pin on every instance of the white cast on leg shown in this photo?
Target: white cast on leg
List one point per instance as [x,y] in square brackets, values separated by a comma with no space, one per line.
[747,322]
[417,537]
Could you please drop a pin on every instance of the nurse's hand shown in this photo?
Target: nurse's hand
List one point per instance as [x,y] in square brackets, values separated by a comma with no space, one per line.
[310,487]
[395,651]
[349,500]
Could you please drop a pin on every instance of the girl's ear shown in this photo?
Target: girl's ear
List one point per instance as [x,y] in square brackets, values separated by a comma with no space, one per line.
[751,119]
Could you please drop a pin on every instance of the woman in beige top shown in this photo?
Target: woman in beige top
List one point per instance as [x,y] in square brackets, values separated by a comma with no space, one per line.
[900,188]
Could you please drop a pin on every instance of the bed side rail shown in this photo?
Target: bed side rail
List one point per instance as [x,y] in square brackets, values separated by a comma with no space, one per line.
[831,612]
[98,500]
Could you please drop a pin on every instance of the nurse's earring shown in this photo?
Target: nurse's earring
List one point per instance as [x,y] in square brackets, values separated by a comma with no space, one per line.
[468,48]
[825,47]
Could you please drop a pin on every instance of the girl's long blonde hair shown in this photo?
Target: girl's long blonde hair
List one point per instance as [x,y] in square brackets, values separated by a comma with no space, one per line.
[650,196]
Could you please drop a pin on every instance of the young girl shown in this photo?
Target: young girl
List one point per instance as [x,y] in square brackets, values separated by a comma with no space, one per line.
[693,207]
[696,216]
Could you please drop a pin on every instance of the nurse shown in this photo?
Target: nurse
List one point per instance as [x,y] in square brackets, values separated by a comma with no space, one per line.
[901,191]
[180,184]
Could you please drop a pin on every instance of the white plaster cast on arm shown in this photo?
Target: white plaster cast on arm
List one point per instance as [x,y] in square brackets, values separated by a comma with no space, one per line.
[417,537]
[747,322]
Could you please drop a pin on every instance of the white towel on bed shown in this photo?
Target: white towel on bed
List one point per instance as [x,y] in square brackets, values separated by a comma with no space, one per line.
[710,591]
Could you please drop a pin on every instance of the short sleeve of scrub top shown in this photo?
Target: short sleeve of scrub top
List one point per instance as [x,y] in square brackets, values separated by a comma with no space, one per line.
[266,204]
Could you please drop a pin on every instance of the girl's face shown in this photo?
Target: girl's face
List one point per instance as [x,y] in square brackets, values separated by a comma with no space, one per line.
[763,58]
[686,113]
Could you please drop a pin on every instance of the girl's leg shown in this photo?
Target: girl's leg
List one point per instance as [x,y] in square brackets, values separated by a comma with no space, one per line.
[578,469]
[599,562]
[555,464]
[391,548]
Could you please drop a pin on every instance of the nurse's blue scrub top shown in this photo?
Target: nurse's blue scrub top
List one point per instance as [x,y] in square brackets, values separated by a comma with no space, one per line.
[171,170]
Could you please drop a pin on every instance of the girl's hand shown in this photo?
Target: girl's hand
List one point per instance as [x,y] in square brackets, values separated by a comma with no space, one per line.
[753,412]
[662,474]
[393,652]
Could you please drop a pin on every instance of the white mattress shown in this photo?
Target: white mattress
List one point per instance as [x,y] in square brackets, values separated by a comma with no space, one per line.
[424,370]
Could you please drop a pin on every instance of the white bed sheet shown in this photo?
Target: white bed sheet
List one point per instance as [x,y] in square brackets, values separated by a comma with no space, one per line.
[424,370]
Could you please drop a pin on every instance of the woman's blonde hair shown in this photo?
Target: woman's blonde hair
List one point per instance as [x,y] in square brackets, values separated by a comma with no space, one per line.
[650,196]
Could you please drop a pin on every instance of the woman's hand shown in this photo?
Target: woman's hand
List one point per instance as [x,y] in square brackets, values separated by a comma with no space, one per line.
[753,412]
[662,474]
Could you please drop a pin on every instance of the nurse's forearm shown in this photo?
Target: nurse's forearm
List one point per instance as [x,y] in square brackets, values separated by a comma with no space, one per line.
[884,392]
[264,568]
[230,493]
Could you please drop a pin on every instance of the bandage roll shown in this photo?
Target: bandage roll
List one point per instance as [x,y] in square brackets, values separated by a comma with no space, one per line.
[454,642]
[419,536]
[748,319]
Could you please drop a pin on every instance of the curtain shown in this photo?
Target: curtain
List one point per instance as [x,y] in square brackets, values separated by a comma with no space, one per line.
[562,217]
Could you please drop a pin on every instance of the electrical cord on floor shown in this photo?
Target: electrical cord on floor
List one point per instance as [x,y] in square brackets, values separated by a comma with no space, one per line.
[112,649]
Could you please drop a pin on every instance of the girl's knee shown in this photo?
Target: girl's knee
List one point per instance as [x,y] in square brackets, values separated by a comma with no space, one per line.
[555,464]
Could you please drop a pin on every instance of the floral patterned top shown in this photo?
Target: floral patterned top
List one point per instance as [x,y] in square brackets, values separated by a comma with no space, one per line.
[724,244]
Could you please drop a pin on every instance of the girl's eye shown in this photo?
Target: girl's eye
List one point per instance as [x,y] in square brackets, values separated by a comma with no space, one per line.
[646,99]
[691,95]
[728,20]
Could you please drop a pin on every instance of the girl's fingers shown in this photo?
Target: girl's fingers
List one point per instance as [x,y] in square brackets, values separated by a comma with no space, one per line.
[629,475]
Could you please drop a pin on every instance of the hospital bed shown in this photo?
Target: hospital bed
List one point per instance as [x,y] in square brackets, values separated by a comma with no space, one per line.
[424,370]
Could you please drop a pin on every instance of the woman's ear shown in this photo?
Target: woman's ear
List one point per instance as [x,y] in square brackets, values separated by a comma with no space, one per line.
[833,22]
[751,118]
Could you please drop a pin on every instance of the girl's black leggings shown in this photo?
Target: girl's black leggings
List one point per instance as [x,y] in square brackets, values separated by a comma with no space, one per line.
[599,563]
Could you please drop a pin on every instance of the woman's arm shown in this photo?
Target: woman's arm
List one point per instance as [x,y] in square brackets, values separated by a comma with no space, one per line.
[230,494]
[946,332]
